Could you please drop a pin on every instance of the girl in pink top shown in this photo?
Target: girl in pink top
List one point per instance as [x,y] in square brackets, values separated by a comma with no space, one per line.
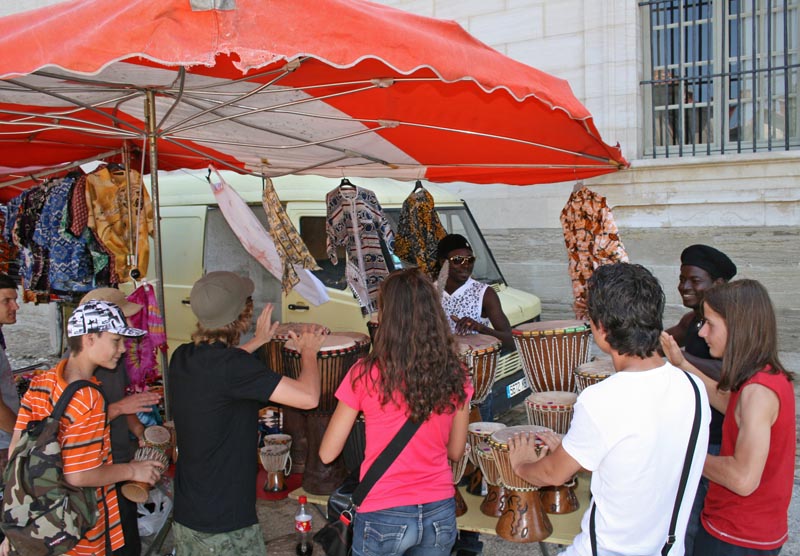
[746,508]
[412,373]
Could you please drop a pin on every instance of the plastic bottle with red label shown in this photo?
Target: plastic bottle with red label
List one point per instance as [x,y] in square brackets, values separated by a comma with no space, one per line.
[302,527]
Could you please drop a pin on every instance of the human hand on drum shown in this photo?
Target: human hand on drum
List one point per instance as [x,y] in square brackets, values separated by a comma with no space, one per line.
[466,325]
[133,404]
[265,328]
[146,471]
[672,350]
[523,448]
[310,339]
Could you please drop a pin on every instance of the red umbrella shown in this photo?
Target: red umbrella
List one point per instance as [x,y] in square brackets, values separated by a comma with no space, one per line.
[329,87]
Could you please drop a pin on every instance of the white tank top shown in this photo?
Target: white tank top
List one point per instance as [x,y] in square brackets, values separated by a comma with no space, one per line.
[466,301]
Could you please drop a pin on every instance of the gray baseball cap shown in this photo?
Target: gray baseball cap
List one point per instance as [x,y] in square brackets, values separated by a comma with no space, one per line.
[218,298]
[100,316]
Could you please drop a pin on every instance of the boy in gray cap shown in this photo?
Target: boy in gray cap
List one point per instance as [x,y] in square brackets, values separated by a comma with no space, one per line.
[216,391]
[95,332]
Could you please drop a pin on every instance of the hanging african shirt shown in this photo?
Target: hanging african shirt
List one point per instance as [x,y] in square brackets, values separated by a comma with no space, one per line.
[357,223]
[8,251]
[121,215]
[290,246]
[141,355]
[592,240]
[33,257]
[419,231]
[78,226]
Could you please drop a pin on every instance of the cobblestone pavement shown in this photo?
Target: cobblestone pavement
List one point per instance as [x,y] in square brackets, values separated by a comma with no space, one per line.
[28,343]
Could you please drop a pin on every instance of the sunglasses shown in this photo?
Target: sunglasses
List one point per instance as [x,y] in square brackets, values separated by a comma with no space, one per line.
[461,260]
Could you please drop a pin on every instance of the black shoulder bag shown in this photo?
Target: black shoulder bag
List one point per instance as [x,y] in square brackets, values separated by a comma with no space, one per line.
[687,464]
[336,537]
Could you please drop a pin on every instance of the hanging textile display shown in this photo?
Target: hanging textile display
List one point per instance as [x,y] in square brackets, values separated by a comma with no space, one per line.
[419,230]
[592,240]
[9,255]
[290,246]
[141,355]
[33,257]
[256,241]
[78,225]
[357,223]
[121,215]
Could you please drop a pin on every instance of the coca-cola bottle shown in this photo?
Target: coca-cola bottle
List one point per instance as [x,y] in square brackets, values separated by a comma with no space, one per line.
[302,527]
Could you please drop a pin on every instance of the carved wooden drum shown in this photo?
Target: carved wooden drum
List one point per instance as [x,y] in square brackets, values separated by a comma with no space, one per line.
[458,467]
[551,409]
[480,354]
[494,502]
[273,350]
[550,351]
[335,357]
[593,372]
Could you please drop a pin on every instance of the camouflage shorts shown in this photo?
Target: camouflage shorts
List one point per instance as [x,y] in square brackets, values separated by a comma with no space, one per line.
[245,542]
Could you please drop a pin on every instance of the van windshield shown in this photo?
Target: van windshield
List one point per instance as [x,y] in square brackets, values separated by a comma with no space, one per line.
[458,220]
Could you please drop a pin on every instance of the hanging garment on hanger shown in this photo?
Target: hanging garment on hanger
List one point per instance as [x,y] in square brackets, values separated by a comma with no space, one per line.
[8,252]
[102,261]
[293,252]
[592,239]
[357,223]
[141,355]
[122,229]
[33,257]
[70,263]
[419,231]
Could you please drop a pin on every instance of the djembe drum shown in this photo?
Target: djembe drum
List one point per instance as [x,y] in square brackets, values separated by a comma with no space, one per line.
[477,432]
[294,420]
[276,460]
[560,499]
[335,357]
[372,328]
[480,354]
[458,467]
[495,500]
[593,372]
[137,491]
[551,409]
[523,519]
[550,351]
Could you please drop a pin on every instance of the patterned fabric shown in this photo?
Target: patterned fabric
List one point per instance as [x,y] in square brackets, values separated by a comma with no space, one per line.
[70,267]
[357,223]
[141,355]
[592,240]
[419,231]
[466,301]
[34,258]
[86,443]
[12,213]
[121,215]
[8,252]
[287,241]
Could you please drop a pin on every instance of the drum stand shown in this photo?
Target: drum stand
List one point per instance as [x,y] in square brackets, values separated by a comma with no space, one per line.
[523,518]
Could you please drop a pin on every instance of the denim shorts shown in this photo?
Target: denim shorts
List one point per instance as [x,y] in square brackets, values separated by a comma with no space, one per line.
[418,530]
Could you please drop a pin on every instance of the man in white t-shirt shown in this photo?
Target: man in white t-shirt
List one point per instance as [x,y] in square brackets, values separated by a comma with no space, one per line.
[630,430]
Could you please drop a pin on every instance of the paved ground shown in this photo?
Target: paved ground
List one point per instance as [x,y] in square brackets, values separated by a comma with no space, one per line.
[28,343]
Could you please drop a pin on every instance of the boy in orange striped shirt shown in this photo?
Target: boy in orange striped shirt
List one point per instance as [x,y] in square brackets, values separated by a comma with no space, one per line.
[95,331]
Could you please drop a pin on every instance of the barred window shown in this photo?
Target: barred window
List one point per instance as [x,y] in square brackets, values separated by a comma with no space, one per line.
[723,76]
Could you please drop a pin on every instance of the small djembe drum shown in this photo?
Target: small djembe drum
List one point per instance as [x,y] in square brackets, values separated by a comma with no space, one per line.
[480,354]
[276,460]
[137,491]
[173,440]
[552,410]
[457,467]
[593,372]
[477,432]
[550,351]
[335,357]
[523,519]
[495,500]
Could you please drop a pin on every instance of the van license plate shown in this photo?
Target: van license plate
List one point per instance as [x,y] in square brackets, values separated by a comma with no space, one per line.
[516,387]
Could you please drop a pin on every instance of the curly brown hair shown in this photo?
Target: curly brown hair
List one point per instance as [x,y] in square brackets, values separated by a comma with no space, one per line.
[228,334]
[414,350]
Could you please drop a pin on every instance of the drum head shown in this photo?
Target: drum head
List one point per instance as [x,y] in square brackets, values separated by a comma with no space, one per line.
[476,342]
[157,435]
[359,338]
[502,436]
[555,399]
[553,326]
[277,439]
[282,332]
[330,343]
[485,428]
[598,367]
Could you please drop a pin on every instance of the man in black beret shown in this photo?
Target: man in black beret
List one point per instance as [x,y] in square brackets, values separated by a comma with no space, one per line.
[702,266]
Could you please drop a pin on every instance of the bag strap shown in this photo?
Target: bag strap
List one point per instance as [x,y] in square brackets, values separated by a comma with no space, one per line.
[384,461]
[687,465]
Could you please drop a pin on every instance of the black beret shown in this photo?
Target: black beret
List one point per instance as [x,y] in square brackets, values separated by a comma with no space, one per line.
[713,261]
[451,242]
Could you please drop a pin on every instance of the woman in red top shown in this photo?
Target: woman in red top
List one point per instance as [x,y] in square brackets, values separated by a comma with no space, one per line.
[745,511]
[412,373]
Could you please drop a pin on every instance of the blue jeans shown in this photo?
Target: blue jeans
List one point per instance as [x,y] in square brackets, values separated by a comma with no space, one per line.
[694,526]
[418,530]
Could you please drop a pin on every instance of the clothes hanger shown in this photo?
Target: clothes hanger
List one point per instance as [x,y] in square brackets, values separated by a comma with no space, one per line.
[345,184]
[417,186]
[577,186]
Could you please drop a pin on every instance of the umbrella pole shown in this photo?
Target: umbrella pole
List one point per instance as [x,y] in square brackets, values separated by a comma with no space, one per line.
[152,138]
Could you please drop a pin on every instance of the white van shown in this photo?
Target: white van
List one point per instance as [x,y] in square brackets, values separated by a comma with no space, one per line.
[196,238]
